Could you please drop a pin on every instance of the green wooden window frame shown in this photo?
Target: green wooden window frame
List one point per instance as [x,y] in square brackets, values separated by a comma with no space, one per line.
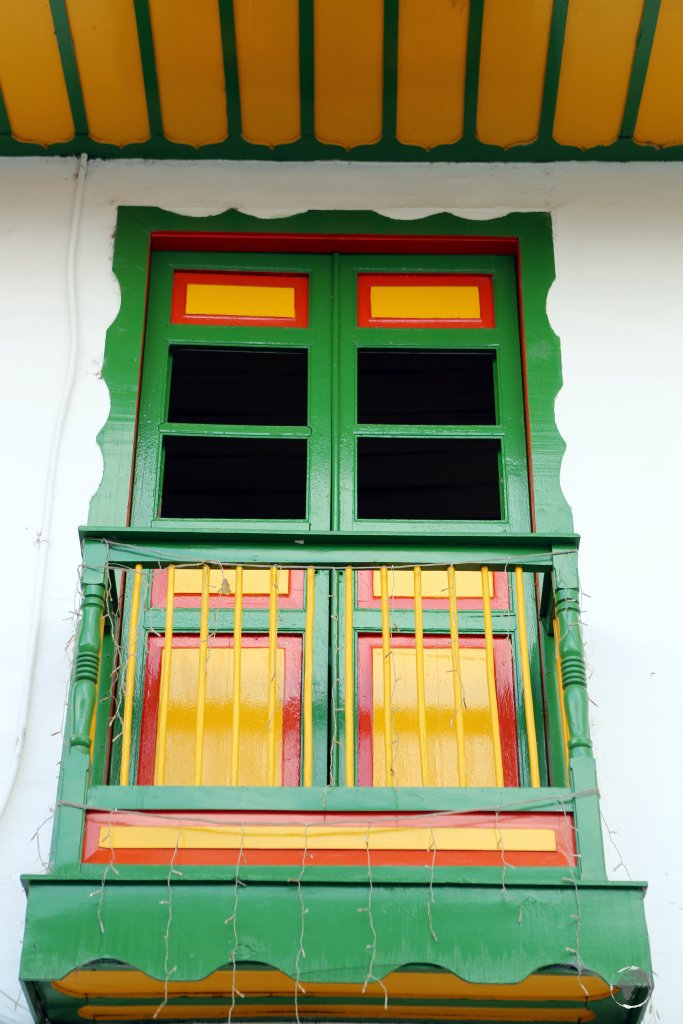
[142,231]
[332,340]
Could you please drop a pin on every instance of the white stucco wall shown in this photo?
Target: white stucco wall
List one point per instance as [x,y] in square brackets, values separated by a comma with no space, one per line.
[617,305]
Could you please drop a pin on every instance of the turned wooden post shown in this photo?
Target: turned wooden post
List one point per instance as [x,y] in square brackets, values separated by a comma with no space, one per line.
[87,665]
[575,692]
[88,645]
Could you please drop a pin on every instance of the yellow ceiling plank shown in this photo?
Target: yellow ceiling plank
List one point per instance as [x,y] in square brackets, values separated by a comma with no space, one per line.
[189,64]
[31,75]
[514,51]
[267,35]
[349,52]
[660,117]
[432,56]
[107,50]
[599,46]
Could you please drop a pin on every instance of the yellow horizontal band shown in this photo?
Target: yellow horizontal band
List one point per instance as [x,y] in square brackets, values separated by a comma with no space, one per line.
[322,837]
[425,302]
[222,582]
[240,300]
[434,583]
[117,984]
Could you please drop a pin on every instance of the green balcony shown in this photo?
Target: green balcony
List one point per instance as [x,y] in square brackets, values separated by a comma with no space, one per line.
[330,778]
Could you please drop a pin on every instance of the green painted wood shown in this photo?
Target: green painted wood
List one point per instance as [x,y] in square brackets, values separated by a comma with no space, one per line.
[641,61]
[558,25]
[149,74]
[623,150]
[5,127]
[574,682]
[522,928]
[557,766]
[69,65]
[321,685]
[476,20]
[587,817]
[306,83]
[153,548]
[390,69]
[163,337]
[501,339]
[330,798]
[86,665]
[230,67]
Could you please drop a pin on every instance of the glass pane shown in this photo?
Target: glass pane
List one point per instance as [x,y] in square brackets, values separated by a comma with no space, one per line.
[233,385]
[428,478]
[412,386]
[234,478]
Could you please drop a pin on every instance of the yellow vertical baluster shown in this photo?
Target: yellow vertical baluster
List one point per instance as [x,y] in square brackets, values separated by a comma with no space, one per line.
[563,710]
[308,677]
[236,677]
[420,675]
[349,708]
[130,676]
[165,685]
[386,674]
[491,676]
[458,696]
[272,673]
[201,677]
[526,678]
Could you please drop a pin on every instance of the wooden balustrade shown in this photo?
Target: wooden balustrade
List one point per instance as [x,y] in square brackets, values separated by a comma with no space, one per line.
[565,669]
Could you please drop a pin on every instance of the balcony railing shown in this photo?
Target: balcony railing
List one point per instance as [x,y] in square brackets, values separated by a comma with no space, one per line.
[269,734]
[245,661]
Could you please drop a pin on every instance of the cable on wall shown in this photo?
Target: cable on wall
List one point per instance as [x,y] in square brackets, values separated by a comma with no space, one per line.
[44,530]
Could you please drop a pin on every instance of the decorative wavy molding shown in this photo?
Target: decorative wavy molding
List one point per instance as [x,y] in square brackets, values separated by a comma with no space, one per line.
[527,236]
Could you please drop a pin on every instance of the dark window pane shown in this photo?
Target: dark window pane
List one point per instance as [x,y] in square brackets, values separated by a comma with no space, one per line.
[234,478]
[427,478]
[408,386]
[223,385]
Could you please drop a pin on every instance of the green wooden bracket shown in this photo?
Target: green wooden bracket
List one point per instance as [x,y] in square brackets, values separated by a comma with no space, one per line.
[587,818]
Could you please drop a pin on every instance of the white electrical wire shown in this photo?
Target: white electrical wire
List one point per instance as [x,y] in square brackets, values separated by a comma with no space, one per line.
[43,536]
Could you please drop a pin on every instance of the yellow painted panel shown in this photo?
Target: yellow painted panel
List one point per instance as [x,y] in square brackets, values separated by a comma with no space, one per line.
[31,75]
[267,33]
[514,50]
[222,581]
[349,60]
[189,64]
[432,57]
[599,44]
[240,300]
[360,1011]
[425,302]
[323,837]
[660,117]
[103,984]
[441,719]
[182,704]
[434,583]
[107,49]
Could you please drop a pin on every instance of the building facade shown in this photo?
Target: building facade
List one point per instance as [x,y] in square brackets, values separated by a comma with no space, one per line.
[195,878]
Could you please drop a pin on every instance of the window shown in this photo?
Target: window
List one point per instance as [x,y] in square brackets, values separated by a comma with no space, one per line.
[332,393]
[350,394]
